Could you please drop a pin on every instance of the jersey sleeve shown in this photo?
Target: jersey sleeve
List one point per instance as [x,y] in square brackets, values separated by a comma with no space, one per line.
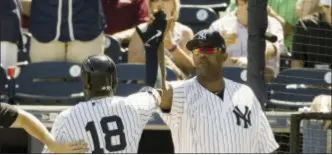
[58,130]
[145,102]
[8,115]
[173,118]
[266,139]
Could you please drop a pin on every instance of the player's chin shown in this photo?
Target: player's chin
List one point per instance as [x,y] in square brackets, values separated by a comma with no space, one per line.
[201,70]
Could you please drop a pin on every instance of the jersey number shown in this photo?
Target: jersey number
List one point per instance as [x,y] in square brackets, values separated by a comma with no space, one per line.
[90,127]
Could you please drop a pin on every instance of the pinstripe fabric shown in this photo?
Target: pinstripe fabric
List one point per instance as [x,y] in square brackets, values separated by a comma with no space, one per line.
[201,122]
[134,112]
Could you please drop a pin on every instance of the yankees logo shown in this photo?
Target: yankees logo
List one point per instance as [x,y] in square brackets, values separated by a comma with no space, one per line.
[201,36]
[245,117]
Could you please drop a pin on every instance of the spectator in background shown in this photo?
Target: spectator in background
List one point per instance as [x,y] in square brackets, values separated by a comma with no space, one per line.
[26,7]
[306,7]
[233,28]
[322,103]
[10,32]
[313,40]
[178,57]
[284,12]
[124,14]
[68,30]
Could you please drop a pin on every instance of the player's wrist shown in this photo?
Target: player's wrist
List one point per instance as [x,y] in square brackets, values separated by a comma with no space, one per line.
[48,140]
[156,95]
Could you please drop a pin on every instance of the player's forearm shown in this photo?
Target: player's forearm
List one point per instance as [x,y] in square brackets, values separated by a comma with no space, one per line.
[167,98]
[34,127]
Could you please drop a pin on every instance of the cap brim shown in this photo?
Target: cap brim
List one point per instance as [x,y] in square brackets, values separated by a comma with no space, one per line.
[193,44]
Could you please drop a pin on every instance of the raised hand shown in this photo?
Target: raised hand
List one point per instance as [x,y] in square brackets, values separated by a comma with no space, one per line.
[154,34]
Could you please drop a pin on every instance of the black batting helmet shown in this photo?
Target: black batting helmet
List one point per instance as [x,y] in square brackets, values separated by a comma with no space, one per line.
[99,76]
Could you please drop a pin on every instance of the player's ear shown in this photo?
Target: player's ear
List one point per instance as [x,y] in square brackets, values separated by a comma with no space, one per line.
[222,57]
[225,56]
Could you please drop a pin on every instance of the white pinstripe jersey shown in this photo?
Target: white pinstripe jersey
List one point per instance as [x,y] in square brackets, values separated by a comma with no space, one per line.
[201,122]
[108,125]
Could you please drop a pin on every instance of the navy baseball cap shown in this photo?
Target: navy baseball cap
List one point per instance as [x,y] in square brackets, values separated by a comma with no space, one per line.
[206,38]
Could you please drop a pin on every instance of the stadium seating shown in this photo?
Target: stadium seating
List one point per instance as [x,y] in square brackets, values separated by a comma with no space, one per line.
[295,88]
[113,50]
[24,55]
[237,74]
[3,84]
[197,17]
[49,83]
[132,78]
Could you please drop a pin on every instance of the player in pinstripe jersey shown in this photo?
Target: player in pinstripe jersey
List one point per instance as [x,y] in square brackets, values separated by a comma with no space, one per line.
[109,124]
[209,113]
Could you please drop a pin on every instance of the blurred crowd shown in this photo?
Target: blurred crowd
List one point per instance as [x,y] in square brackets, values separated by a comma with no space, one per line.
[71,30]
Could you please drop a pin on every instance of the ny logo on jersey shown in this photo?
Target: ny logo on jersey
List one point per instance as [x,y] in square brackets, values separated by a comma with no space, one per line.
[245,117]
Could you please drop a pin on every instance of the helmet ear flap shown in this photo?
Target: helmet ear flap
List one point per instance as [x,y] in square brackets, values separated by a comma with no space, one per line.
[86,80]
[114,81]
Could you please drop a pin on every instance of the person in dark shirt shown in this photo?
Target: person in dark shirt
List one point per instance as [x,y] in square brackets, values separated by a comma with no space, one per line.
[312,47]
[65,30]
[12,117]
[124,14]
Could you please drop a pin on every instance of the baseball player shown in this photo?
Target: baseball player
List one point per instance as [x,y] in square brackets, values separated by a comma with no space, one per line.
[12,117]
[109,124]
[209,113]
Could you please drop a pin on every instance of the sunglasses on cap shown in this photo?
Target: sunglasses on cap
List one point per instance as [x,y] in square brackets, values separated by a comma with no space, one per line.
[206,50]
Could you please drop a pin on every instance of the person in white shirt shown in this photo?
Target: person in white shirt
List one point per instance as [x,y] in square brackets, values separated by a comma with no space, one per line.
[233,27]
